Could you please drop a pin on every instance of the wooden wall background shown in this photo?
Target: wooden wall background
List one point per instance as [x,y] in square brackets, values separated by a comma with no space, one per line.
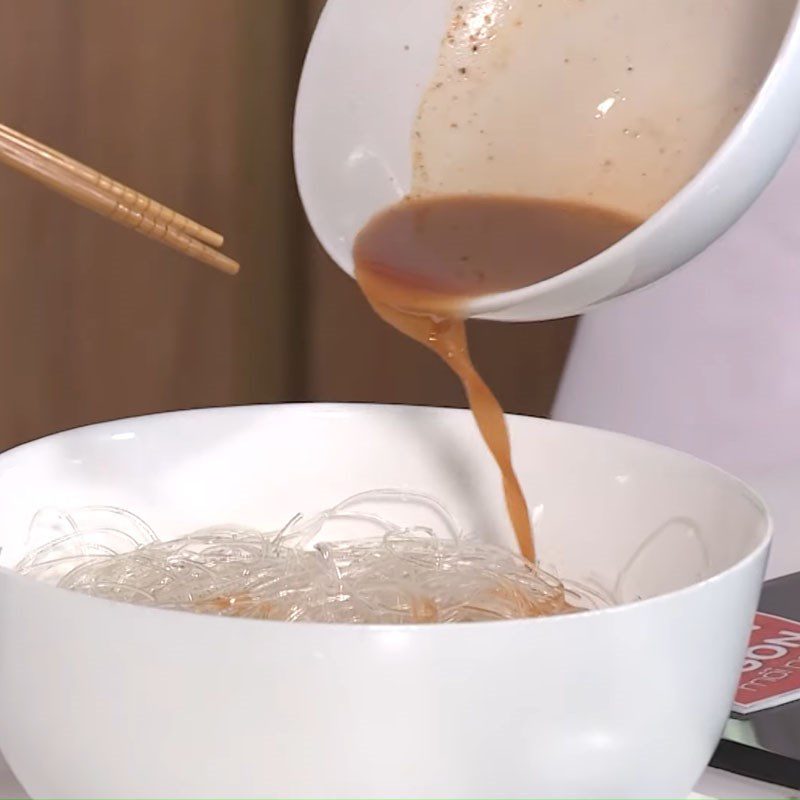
[190,101]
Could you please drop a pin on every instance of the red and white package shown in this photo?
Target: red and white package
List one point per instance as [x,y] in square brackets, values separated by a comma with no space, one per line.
[771,672]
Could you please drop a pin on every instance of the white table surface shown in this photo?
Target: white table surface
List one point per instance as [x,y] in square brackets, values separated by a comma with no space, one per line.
[781,490]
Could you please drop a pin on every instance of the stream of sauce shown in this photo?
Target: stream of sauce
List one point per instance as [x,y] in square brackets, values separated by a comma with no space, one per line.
[419,261]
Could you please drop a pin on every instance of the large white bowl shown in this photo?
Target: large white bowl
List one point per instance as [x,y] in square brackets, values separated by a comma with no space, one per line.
[102,699]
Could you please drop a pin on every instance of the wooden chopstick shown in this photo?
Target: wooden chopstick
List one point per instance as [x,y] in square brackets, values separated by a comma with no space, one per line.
[129,197]
[112,199]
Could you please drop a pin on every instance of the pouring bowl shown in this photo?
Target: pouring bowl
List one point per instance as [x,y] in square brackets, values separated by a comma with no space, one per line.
[367,68]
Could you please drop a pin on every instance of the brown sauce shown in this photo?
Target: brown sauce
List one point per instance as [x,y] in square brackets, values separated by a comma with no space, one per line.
[418,261]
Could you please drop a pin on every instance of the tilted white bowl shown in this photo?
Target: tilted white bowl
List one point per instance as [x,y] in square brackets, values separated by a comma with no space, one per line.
[103,699]
[365,72]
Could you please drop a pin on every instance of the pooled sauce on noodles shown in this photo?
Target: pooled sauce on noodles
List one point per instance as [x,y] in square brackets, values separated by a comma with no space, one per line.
[419,261]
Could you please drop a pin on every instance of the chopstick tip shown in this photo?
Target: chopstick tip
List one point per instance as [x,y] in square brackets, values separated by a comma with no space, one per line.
[227,265]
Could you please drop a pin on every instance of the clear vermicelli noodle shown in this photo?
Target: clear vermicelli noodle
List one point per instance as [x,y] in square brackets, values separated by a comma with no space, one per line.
[398,575]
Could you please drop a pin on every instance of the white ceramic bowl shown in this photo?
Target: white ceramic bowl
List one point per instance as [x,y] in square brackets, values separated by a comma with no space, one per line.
[365,72]
[103,699]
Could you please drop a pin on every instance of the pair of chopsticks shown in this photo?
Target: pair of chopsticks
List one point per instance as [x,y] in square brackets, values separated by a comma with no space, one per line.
[112,199]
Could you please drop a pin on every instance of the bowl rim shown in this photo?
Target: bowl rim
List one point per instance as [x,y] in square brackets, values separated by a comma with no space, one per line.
[756,553]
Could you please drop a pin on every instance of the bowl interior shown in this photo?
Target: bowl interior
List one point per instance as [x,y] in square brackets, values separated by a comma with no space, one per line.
[603,505]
